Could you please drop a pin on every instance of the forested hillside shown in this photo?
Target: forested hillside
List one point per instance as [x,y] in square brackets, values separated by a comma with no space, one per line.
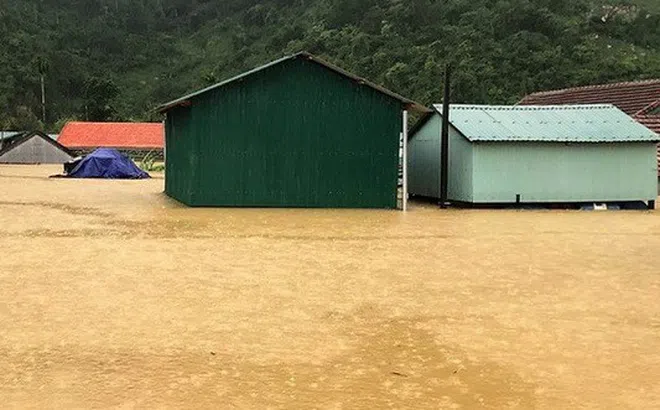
[118,59]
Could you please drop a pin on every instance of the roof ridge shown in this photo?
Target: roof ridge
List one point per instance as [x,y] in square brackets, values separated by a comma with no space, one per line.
[595,87]
[648,108]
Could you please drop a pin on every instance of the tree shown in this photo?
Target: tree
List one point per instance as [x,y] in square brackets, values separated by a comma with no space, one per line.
[117,59]
[23,119]
[100,94]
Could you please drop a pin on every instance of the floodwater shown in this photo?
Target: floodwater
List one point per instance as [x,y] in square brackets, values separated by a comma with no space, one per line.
[113,296]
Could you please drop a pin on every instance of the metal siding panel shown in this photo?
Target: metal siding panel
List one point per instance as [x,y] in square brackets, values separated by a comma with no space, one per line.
[424,160]
[460,167]
[552,172]
[178,139]
[295,135]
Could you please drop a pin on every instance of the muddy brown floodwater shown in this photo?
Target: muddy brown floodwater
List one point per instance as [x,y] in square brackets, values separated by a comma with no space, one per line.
[113,296]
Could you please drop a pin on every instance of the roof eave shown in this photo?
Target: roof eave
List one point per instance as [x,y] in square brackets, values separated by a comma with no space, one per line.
[177,103]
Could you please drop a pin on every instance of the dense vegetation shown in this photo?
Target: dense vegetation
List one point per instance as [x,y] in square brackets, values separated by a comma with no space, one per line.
[118,59]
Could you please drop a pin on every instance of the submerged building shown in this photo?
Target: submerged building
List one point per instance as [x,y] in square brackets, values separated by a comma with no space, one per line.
[535,154]
[32,147]
[298,132]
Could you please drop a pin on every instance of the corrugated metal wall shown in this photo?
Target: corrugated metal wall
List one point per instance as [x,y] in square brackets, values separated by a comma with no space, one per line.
[424,160]
[556,172]
[294,135]
[461,168]
[35,151]
[424,163]
[181,150]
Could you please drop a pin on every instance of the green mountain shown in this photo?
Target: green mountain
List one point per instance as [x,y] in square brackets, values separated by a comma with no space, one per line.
[118,59]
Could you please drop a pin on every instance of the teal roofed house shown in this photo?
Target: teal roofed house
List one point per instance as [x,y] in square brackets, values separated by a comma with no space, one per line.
[297,132]
[535,154]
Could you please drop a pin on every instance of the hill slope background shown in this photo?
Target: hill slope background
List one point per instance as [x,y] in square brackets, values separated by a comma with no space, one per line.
[118,59]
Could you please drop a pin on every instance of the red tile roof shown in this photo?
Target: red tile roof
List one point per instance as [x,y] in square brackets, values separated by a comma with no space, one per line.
[112,135]
[652,110]
[651,122]
[636,98]
[630,97]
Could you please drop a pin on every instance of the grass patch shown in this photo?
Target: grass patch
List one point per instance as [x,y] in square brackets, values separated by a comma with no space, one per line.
[148,163]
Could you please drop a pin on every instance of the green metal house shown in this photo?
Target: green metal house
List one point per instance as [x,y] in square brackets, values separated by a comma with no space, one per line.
[535,154]
[297,132]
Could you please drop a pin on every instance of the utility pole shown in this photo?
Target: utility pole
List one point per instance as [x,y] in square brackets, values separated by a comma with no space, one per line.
[42,65]
[43,98]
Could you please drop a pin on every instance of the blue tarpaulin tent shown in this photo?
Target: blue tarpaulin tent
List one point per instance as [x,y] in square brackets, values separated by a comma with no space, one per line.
[107,163]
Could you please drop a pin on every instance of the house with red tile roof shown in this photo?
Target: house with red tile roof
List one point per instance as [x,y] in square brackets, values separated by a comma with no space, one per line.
[639,99]
[132,138]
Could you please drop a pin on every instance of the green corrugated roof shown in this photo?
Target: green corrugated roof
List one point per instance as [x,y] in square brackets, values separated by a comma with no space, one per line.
[552,123]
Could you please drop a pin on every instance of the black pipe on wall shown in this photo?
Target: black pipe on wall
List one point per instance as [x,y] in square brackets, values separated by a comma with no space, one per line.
[444,154]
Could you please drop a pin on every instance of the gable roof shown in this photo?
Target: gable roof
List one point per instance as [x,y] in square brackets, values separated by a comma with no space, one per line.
[10,142]
[630,97]
[113,135]
[558,123]
[186,99]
